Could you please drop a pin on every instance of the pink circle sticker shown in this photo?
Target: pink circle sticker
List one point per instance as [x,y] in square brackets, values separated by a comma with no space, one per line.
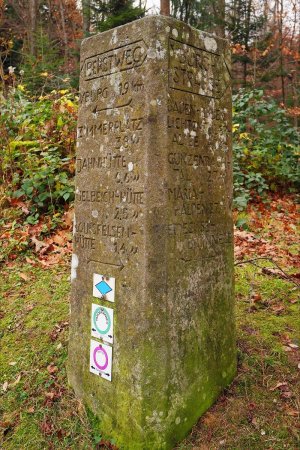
[103,352]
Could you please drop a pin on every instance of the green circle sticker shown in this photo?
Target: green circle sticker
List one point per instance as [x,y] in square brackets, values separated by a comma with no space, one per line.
[102,320]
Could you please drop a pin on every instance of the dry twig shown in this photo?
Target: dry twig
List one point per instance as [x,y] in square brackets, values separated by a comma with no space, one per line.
[252,261]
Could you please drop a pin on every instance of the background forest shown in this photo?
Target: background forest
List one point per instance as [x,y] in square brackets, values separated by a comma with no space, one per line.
[39,51]
[39,67]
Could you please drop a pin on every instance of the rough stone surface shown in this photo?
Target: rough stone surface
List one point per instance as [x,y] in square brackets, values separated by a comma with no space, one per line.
[153,210]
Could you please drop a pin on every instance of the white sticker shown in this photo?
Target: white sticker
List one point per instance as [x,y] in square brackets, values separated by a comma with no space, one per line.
[102,323]
[104,287]
[101,359]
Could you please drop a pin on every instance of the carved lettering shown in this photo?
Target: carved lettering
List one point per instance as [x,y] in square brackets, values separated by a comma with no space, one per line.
[109,161]
[104,230]
[184,193]
[110,196]
[84,242]
[93,95]
[194,209]
[178,160]
[126,140]
[195,70]
[185,139]
[104,128]
[123,248]
[117,60]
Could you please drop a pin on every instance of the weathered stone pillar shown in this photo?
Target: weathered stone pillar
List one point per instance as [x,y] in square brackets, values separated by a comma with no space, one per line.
[152,327]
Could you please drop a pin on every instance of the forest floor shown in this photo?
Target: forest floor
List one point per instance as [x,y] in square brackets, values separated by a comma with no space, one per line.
[260,410]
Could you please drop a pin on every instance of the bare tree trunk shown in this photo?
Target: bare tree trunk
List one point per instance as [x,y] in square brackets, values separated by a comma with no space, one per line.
[255,56]
[188,11]
[63,26]
[295,71]
[32,26]
[49,22]
[217,9]
[86,12]
[281,59]
[245,73]
[266,15]
[165,7]
[247,36]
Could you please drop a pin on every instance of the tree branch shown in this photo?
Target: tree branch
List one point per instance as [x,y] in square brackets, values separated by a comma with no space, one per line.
[252,261]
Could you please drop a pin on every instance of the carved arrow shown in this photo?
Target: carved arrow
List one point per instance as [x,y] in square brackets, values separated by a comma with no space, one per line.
[186,259]
[96,109]
[120,265]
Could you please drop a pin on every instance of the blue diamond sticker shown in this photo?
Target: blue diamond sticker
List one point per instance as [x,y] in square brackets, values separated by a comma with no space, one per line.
[103,287]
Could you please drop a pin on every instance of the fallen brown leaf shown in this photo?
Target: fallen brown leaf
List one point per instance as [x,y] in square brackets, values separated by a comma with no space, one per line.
[286,348]
[255,422]
[16,381]
[283,385]
[286,394]
[292,412]
[209,419]
[47,427]
[59,239]
[47,248]
[105,445]
[23,276]
[60,434]
[278,309]
[52,369]
[68,218]
[295,346]
[49,395]
[50,260]
[38,244]
[30,261]
[256,298]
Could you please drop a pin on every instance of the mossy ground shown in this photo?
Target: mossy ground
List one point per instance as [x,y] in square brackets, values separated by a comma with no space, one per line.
[37,409]
[260,410]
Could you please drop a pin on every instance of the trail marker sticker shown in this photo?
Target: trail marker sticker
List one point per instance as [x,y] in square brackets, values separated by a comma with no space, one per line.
[104,287]
[101,359]
[102,323]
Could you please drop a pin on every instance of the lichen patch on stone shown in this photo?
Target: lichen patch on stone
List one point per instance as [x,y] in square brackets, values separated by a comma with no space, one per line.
[210,44]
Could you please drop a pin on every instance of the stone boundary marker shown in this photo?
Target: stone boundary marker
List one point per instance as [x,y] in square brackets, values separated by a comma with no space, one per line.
[152,339]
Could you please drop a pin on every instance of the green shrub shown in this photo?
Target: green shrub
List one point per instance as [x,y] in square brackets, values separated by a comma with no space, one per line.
[266,147]
[37,157]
